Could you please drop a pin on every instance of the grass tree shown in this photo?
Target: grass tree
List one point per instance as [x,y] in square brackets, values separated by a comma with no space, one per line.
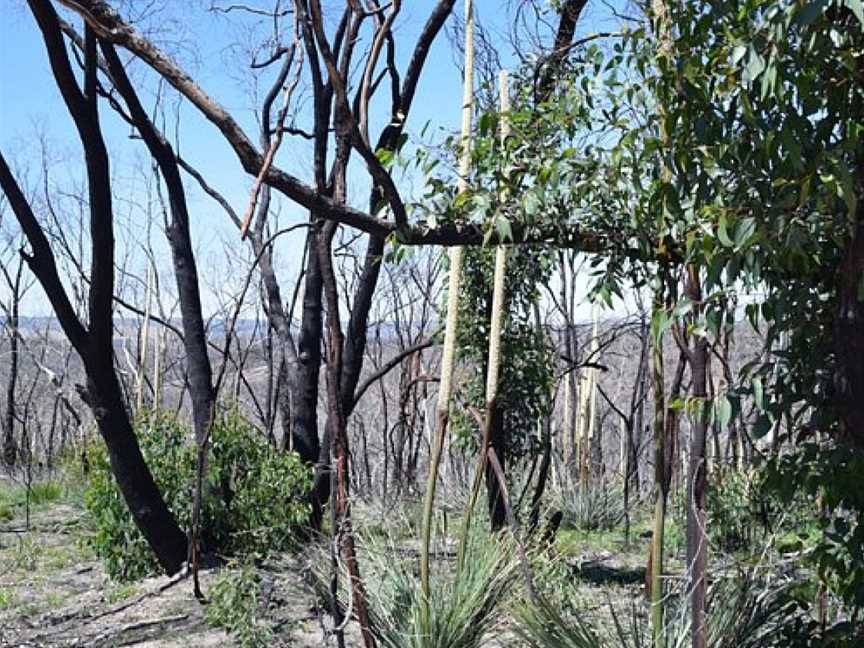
[587,416]
[449,352]
[493,366]
[464,609]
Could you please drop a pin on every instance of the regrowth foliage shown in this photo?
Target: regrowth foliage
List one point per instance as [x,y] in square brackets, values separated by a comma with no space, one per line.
[253,495]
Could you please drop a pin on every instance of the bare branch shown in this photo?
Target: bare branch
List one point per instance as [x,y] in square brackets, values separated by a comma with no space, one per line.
[392,363]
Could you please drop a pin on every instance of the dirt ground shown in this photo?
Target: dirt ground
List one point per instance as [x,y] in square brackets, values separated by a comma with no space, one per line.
[54,592]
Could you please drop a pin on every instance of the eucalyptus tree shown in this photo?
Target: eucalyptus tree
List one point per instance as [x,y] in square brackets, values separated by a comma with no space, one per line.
[774,124]
[756,146]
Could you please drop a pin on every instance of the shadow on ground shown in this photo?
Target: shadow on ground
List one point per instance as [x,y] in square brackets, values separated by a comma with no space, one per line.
[600,572]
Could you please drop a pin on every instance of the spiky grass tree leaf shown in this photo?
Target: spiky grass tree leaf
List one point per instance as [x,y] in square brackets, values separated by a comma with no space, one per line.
[540,625]
[463,610]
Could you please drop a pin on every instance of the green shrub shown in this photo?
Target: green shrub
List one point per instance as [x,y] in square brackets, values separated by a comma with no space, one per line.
[234,606]
[252,498]
[7,598]
[732,513]
[45,492]
[26,554]
[741,509]
[827,477]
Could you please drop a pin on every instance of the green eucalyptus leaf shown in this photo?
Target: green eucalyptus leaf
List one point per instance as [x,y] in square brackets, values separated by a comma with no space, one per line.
[661,320]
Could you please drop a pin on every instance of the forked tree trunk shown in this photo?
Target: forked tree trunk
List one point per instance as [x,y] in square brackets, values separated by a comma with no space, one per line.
[355,343]
[337,428]
[94,343]
[198,367]
[492,415]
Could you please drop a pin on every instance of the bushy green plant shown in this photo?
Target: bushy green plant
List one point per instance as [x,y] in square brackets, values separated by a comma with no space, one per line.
[732,513]
[7,598]
[260,488]
[234,606]
[592,506]
[748,610]
[463,608]
[26,555]
[741,507]
[252,496]
[527,376]
[116,539]
[45,492]
[830,473]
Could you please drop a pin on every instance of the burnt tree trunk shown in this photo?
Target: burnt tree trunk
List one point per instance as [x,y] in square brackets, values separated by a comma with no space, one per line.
[94,343]
[495,497]
[337,431]
[304,399]
[10,450]
[849,338]
[355,342]
[198,370]
[543,478]
[136,483]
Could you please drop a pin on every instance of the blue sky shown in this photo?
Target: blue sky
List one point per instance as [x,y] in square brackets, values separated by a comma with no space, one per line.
[207,45]
[30,103]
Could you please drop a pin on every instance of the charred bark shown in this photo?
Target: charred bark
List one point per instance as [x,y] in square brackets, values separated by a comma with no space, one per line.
[94,343]
[198,370]
[10,449]
[849,340]
[543,477]
[494,494]
[569,12]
